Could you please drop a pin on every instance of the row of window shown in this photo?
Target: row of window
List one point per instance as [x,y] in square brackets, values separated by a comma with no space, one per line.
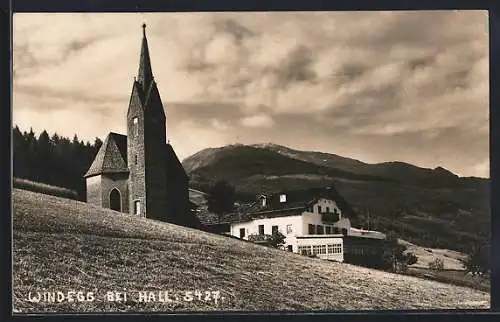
[320,249]
[274,230]
[319,209]
[321,230]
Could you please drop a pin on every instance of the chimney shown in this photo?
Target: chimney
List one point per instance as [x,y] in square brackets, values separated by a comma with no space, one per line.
[282,198]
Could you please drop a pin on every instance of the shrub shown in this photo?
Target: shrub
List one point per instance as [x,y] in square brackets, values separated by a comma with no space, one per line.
[478,260]
[276,240]
[436,264]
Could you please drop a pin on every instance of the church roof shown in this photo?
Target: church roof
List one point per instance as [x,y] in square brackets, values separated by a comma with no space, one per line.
[145,74]
[112,156]
[174,165]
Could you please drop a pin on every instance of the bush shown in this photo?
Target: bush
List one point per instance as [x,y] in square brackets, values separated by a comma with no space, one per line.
[437,264]
[276,240]
[478,260]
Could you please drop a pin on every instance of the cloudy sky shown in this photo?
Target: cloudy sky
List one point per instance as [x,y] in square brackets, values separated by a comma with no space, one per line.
[375,86]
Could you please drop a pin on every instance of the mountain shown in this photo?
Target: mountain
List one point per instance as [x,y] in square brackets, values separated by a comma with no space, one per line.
[399,171]
[432,207]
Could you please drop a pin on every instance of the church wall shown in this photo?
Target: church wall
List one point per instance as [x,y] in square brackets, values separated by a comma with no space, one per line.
[118,181]
[156,185]
[94,190]
[178,202]
[135,149]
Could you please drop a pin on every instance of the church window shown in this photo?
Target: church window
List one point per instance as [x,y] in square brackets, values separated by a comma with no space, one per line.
[135,122]
[137,207]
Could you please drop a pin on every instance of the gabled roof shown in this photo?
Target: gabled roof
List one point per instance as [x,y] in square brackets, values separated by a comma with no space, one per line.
[300,199]
[112,156]
[296,203]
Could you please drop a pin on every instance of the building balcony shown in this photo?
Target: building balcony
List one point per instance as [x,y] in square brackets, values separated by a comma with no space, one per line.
[330,218]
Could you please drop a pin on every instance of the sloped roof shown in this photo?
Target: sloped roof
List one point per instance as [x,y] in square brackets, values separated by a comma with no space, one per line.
[174,166]
[112,156]
[299,199]
[295,204]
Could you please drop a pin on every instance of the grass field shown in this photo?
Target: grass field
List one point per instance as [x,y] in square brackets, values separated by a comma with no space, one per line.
[65,245]
[43,188]
[451,259]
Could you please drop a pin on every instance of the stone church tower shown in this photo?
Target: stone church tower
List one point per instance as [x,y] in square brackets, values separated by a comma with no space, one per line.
[140,173]
[146,142]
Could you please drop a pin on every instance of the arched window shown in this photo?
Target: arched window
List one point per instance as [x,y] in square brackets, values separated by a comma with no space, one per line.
[115,200]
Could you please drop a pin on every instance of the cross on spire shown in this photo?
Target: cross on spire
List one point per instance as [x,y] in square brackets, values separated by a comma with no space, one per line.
[145,75]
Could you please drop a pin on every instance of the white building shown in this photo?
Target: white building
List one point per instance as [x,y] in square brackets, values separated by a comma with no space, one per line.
[315,226]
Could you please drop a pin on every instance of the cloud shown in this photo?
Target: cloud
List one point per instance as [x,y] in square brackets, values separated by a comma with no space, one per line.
[483,169]
[372,85]
[261,120]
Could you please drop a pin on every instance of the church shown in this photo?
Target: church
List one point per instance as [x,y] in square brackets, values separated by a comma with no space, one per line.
[139,173]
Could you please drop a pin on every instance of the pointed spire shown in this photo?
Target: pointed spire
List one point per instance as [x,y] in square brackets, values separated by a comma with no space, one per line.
[145,75]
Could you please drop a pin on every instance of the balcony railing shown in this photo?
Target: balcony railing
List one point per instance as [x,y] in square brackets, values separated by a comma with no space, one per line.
[329,217]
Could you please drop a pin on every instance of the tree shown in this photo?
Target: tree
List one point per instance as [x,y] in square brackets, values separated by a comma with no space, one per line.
[97,144]
[277,240]
[478,260]
[43,156]
[396,255]
[220,198]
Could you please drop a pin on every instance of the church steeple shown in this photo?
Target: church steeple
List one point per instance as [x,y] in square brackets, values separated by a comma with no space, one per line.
[145,75]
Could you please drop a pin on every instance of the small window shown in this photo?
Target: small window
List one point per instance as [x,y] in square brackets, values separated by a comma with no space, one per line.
[305,250]
[263,201]
[288,229]
[327,210]
[328,230]
[135,159]
[242,232]
[137,207]
[282,198]
[319,230]
[135,122]
[261,229]
[274,230]
[319,209]
[311,229]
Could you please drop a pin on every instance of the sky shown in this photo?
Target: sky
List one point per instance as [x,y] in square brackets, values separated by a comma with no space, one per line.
[374,86]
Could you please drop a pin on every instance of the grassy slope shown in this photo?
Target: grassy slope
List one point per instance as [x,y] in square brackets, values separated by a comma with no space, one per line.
[61,244]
